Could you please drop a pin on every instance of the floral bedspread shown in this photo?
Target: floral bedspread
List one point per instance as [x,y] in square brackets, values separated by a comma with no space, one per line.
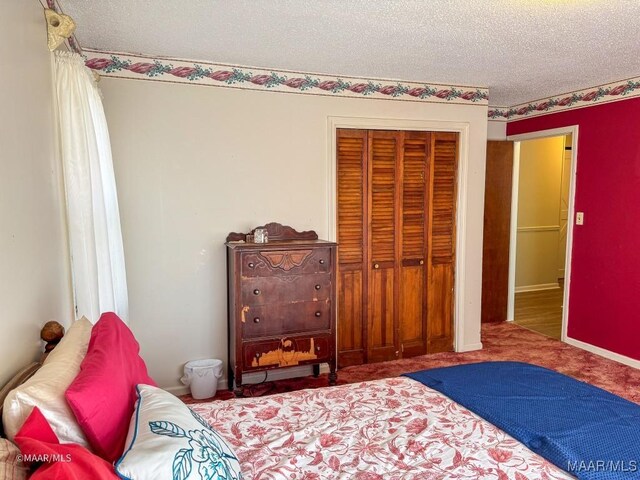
[380,430]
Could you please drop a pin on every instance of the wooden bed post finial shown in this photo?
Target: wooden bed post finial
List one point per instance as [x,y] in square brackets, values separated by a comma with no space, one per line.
[52,333]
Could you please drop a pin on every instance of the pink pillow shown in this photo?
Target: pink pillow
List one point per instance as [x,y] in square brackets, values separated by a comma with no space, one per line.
[67,461]
[103,395]
[37,427]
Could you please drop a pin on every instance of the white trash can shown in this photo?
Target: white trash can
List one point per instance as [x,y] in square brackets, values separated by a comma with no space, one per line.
[202,377]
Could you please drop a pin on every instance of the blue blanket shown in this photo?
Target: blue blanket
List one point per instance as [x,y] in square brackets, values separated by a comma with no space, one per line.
[587,431]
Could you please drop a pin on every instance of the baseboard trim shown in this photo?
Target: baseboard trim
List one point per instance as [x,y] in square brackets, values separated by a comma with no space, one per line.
[631,362]
[536,288]
[183,390]
[470,347]
[177,391]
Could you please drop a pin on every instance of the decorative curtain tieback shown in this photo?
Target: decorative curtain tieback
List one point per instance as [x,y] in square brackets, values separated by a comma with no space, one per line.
[59,28]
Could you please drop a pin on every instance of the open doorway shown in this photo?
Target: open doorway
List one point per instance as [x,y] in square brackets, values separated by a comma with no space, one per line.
[542,205]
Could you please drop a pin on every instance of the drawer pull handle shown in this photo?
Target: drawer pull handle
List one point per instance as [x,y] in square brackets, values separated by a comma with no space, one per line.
[256,320]
[318,287]
[318,348]
[318,314]
[258,355]
[251,264]
[256,292]
[421,262]
[376,265]
[321,261]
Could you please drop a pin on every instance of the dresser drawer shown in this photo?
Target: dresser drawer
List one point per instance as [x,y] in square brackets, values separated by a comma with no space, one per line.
[268,263]
[294,288]
[285,318]
[286,352]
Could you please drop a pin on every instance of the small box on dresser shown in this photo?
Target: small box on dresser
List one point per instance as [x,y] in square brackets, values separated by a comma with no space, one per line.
[282,306]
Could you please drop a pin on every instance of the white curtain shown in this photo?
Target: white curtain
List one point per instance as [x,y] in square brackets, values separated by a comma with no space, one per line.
[95,238]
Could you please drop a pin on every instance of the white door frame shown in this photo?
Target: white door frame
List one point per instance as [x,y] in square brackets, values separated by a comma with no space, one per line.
[334,123]
[556,132]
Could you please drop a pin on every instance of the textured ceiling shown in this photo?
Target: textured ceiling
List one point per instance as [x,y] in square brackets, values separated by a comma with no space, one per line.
[521,49]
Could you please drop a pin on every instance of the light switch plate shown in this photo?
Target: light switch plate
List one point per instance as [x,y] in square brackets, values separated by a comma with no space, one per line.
[579,218]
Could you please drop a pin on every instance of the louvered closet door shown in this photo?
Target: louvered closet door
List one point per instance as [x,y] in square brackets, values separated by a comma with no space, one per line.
[443,240]
[396,236]
[412,317]
[384,222]
[352,240]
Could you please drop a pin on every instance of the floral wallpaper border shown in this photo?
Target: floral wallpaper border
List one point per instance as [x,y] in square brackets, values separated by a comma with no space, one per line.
[136,66]
[620,90]
[125,65]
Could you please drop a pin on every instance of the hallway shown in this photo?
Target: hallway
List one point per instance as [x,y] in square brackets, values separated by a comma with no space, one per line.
[540,311]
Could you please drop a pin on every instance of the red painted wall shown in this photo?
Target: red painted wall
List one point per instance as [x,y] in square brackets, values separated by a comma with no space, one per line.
[604,300]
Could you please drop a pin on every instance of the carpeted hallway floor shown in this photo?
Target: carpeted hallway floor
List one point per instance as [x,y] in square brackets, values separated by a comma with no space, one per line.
[503,341]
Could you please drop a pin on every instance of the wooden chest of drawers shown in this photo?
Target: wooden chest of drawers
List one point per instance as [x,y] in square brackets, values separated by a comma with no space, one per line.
[281,303]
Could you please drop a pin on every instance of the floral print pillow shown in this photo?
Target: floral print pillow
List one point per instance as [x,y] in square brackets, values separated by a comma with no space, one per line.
[167,440]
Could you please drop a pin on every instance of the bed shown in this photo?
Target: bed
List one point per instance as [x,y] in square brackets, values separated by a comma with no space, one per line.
[396,428]
[385,429]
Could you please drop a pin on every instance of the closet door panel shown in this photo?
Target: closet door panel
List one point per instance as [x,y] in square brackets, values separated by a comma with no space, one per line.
[382,193]
[352,240]
[442,249]
[413,311]
[416,151]
[444,198]
[440,290]
[382,328]
[384,156]
[352,320]
[415,193]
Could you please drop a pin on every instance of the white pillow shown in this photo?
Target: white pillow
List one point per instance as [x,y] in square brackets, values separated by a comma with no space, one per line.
[10,467]
[167,440]
[46,388]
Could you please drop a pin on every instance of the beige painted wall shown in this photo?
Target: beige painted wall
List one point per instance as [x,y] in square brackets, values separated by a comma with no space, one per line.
[496,130]
[34,275]
[539,212]
[194,163]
